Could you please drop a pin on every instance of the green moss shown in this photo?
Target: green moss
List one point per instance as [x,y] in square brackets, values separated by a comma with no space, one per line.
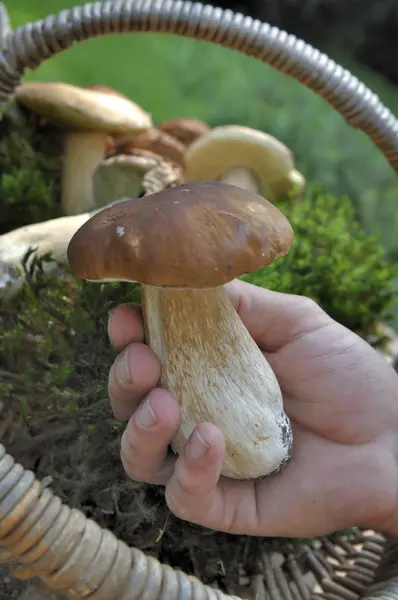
[29,172]
[334,262]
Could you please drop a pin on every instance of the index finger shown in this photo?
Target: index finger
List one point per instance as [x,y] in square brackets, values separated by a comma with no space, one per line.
[274,319]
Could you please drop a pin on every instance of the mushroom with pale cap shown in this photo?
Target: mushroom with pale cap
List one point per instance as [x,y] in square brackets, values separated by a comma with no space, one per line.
[244,157]
[182,245]
[124,175]
[50,236]
[90,116]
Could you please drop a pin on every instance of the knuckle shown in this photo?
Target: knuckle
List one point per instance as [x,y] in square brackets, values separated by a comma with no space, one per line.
[308,305]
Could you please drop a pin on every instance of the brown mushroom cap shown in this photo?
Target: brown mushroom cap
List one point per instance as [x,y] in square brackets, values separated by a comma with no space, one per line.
[186,129]
[193,236]
[156,141]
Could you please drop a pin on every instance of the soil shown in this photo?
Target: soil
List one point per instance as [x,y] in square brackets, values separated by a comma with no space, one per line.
[10,589]
[15,589]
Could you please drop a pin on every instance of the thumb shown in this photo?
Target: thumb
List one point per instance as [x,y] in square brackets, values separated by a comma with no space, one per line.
[274,319]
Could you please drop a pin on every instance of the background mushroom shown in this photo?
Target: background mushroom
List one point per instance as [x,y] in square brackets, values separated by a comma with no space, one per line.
[155,141]
[245,157]
[89,116]
[183,244]
[185,129]
[50,236]
[125,175]
[139,172]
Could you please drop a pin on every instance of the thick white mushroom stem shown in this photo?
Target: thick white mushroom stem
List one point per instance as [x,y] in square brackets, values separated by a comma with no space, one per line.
[242,177]
[219,375]
[84,151]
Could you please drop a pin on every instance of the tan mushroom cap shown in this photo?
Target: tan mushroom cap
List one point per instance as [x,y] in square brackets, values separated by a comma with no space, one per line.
[74,107]
[156,141]
[234,146]
[198,235]
[185,129]
[105,89]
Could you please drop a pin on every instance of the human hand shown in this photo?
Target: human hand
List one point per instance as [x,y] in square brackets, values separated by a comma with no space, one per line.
[342,399]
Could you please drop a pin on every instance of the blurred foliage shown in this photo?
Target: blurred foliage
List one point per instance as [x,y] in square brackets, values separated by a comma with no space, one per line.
[172,76]
[322,20]
[368,34]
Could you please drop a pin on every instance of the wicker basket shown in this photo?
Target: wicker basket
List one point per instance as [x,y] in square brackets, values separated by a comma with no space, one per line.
[71,554]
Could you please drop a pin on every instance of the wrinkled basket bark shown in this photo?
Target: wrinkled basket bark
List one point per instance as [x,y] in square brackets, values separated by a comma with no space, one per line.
[41,536]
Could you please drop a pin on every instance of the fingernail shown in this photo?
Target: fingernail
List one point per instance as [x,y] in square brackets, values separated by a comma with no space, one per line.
[145,417]
[196,447]
[110,312]
[122,367]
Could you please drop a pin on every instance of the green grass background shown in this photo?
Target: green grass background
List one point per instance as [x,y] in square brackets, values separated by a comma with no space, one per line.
[171,76]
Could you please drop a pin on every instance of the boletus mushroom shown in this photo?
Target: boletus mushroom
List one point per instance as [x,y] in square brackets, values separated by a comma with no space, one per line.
[245,157]
[89,117]
[183,244]
[49,236]
[186,129]
[126,175]
[155,141]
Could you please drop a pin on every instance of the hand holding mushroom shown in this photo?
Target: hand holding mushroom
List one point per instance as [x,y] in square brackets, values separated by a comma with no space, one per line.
[341,396]
[182,245]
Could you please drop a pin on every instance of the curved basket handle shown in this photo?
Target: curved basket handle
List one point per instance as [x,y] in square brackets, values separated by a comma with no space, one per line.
[31,44]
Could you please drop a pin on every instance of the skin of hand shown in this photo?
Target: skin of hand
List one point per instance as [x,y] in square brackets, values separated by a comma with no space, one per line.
[342,399]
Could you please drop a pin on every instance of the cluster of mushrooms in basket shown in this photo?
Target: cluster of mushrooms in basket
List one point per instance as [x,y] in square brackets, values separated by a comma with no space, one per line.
[182,208]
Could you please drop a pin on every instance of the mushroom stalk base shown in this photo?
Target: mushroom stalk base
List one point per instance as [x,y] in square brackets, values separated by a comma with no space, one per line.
[219,375]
